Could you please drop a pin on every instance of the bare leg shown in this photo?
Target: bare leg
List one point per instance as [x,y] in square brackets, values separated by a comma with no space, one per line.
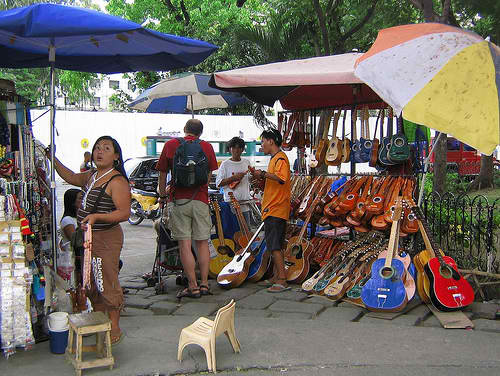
[114,315]
[203,260]
[188,262]
[279,267]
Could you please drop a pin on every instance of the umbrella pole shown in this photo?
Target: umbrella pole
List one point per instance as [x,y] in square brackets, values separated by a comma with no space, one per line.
[53,169]
[426,166]
[192,109]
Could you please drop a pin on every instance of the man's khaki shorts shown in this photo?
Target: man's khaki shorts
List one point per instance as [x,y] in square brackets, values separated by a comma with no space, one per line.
[189,221]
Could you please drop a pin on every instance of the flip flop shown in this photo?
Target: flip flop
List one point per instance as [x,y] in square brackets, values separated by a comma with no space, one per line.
[189,293]
[116,340]
[205,290]
[276,288]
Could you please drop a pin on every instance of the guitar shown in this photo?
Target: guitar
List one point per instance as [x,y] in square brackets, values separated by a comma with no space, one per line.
[261,263]
[375,203]
[235,273]
[299,249]
[243,236]
[356,144]
[448,291]
[365,142]
[408,280]
[399,150]
[355,215]
[224,247]
[376,141]
[306,200]
[385,289]
[325,119]
[349,202]
[346,143]
[334,152]
[385,142]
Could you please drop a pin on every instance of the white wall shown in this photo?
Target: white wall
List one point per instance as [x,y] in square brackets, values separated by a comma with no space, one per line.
[128,129]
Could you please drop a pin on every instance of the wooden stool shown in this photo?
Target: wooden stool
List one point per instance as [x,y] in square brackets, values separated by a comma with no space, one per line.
[90,323]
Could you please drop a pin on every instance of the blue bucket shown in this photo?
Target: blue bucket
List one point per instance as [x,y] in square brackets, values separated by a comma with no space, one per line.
[58,341]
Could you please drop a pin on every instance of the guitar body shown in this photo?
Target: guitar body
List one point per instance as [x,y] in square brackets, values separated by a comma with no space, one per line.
[235,273]
[217,263]
[261,262]
[449,290]
[326,280]
[385,145]
[297,257]
[408,280]
[385,289]
[346,150]
[355,292]
[399,150]
[334,152]
[374,153]
[356,152]
[423,284]
[240,239]
[365,149]
[313,162]
[338,287]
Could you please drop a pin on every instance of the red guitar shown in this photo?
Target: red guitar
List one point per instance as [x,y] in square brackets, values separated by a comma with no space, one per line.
[449,291]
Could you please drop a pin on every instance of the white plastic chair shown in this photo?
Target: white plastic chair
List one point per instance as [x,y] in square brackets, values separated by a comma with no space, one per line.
[203,332]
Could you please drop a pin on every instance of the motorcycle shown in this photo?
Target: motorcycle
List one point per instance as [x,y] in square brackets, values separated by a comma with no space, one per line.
[144,205]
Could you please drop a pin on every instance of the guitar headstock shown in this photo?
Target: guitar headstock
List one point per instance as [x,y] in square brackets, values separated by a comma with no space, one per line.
[235,202]
[215,204]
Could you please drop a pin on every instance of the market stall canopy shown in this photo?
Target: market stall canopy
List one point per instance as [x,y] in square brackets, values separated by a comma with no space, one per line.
[184,92]
[441,76]
[319,82]
[85,40]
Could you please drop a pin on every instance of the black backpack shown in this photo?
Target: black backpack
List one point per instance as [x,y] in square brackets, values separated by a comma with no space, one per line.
[190,165]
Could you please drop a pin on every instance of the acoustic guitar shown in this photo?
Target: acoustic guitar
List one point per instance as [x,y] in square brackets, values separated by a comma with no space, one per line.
[385,142]
[236,271]
[334,152]
[243,236]
[365,141]
[224,247]
[375,203]
[299,249]
[448,291]
[346,143]
[385,289]
[324,121]
[356,144]
[399,150]
[408,280]
[376,141]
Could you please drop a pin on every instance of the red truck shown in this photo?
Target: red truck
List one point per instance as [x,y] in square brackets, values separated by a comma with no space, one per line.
[463,158]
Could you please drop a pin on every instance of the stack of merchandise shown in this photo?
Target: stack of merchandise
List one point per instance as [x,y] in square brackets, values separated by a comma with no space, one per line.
[15,281]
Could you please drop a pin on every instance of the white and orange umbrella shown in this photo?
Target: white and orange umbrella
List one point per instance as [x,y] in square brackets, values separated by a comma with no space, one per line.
[438,75]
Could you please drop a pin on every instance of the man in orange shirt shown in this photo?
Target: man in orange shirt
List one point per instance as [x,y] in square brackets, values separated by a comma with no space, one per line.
[275,204]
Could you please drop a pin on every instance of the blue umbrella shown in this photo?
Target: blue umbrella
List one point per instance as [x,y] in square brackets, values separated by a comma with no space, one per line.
[80,39]
[184,92]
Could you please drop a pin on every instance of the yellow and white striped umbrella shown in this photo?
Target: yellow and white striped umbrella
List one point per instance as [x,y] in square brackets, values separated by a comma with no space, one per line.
[441,76]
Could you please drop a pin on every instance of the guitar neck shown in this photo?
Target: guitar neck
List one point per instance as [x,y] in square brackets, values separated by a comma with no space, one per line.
[424,230]
[218,222]
[394,237]
[239,216]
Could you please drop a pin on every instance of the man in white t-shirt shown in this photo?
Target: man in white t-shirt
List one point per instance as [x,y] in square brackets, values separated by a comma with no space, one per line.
[232,176]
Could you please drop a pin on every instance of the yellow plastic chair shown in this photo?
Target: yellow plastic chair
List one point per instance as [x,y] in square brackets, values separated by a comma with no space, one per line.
[203,332]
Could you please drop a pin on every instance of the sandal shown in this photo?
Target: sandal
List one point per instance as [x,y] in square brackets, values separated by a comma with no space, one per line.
[205,290]
[116,339]
[189,293]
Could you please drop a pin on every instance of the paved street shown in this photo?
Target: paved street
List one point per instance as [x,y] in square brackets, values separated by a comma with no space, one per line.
[286,334]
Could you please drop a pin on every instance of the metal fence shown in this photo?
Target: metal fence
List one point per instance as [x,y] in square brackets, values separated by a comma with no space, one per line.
[466,228]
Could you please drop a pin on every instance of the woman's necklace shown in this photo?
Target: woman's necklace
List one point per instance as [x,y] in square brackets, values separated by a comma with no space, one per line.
[91,186]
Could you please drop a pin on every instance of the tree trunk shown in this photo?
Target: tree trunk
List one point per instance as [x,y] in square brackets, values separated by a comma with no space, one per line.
[485,177]
[440,156]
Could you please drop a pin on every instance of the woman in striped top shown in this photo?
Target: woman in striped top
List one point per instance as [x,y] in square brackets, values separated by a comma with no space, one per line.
[105,203]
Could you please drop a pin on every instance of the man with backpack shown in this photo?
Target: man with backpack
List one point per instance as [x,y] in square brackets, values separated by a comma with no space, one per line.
[191,162]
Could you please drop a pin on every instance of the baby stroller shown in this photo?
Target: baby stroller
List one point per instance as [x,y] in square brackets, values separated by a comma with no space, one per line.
[167,259]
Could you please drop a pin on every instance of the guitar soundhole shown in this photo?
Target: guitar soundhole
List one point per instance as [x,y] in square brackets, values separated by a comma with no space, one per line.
[377,199]
[355,147]
[386,272]
[446,272]
[368,144]
[222,250]
[399,142]
[411,217]
[350,197]
[297,251]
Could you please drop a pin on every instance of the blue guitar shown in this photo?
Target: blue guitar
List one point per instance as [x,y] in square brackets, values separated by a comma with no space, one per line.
[385,290]
[261,262]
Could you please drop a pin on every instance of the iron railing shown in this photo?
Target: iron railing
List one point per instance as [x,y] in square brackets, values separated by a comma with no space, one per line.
[466,228]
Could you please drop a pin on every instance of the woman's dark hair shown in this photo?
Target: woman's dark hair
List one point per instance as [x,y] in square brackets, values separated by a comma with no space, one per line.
[236,142]
[272,134]
[69,202]
[118,165]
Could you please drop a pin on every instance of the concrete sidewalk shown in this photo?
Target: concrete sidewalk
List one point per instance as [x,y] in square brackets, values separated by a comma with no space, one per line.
[286,334]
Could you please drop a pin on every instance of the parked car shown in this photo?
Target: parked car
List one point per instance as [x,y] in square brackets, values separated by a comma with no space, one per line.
[141,173]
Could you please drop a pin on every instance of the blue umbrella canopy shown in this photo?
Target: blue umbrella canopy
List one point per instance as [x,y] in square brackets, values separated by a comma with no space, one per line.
[80,39]
[184,92]
[86,40]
